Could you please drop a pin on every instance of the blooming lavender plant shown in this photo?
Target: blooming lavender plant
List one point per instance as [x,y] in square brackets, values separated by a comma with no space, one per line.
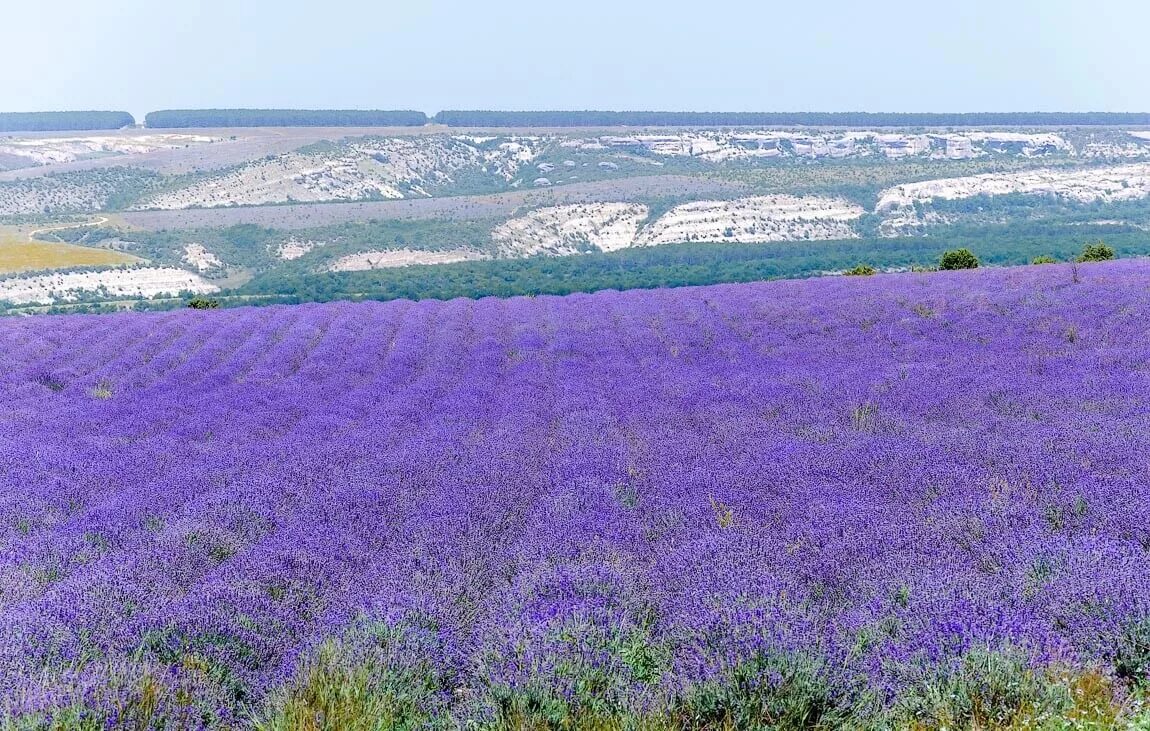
[821,496]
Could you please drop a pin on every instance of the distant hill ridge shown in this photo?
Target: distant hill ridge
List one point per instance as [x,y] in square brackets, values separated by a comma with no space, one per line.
[186,118]
[592,118]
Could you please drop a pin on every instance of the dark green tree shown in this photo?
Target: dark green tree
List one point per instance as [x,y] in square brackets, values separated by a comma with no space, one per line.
[1097,251]
[958,259]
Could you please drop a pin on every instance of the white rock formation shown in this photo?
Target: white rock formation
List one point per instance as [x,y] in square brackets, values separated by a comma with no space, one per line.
[562,230]
[366,260]
[756,219]
[199,257]
[113,283]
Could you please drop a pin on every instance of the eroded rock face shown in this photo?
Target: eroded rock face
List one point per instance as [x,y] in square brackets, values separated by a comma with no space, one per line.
[571,229]
[755,219]
[52,150]
[146,282]
[366,260]
[198,257]
[1080,185]
[1084,185]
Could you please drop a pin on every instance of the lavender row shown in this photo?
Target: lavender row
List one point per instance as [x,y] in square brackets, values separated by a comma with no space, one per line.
[885,473]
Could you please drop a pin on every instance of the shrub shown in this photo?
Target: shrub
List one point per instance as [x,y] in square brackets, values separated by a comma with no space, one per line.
[51,382]
[861,270]
[958,259]
[1132,655]
[864,417]
[1096,252]
[127,695]
[363,682]
[991,689]
[769,691]
[202,303]
[1044,259]
[782,691]
[379,676]
[103,390]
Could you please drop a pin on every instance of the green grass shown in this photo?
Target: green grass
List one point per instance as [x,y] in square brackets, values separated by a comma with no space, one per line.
[381,677]
[349,685]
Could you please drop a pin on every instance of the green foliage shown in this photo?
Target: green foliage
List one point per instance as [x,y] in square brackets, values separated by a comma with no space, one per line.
[860,270]
[1097,251]
[335,696]
[78,191]
[864,418]
[381,676]
[1025,214]
[1000,690]
[646,267]
[253,248]
[135,695]
[772,690]
[202,303]
[958,259]
[1044,259]
[63,121]
[1132,654]
[491,118]
[861,180]
[103,390]
[52,382]
[370,680]
[168,118]
[367,680]
[249,250]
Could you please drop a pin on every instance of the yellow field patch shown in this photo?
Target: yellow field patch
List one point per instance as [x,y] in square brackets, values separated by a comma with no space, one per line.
[19,253]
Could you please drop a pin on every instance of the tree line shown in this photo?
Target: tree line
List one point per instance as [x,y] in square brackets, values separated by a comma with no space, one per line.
[63,121]
[177,118]
[491,118]
[173,118]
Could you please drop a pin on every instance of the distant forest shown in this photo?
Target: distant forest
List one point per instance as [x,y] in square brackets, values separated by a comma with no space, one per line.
[783,119]
[63,121]
[170,118]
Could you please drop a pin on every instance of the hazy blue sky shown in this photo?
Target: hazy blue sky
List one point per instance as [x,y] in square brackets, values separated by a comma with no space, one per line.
[833,55]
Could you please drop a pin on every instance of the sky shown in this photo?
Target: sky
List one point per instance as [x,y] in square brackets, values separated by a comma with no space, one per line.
[718,55]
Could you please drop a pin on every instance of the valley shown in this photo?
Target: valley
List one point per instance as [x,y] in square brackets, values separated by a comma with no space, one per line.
[196,200]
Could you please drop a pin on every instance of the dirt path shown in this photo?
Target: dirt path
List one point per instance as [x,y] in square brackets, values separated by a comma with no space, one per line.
[48,229]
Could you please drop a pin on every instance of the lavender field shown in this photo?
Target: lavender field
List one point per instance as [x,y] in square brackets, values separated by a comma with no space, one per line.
[902,501]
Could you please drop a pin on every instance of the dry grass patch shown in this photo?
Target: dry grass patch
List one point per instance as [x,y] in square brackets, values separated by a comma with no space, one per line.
[19,253]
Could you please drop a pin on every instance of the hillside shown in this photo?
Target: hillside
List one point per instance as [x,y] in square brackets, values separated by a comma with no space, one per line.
[841,500]
[311,212]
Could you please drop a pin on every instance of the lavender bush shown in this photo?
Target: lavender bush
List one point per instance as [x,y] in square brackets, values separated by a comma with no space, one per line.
[870,502]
